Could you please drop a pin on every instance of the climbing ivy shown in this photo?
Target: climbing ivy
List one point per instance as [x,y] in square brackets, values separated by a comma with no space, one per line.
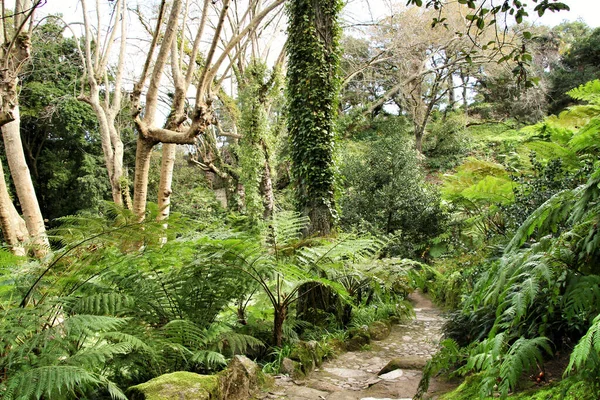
[258,88]
[313,82]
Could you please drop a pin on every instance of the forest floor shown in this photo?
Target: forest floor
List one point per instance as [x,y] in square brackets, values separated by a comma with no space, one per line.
[353,375]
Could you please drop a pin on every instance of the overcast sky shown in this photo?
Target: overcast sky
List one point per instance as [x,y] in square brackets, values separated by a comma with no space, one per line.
[358,11]
[365,10]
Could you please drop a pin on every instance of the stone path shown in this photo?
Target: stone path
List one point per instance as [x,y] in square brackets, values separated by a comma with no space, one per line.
[353,375]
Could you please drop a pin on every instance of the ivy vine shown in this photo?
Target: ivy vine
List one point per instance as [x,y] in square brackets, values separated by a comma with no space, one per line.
[313,82]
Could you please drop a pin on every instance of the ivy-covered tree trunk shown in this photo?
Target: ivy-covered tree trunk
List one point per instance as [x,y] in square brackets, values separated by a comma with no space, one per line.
[313,86]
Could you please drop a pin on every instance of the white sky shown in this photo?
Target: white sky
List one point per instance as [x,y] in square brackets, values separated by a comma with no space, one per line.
[358,11]
[366,10]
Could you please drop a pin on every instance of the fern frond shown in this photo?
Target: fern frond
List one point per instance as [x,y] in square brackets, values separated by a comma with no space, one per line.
[589,343]
[546,218]
[210,359]
[50,380]
[524,355]
[589,91]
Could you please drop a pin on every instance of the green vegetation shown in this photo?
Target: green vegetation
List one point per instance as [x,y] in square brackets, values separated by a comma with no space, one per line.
[459,183]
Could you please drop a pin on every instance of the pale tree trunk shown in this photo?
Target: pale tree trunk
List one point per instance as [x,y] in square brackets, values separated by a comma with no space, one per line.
[143,155]
[14,56]
[166,180]
[13,226]
[21,176]
[106,107]
[266,186]
[202,115]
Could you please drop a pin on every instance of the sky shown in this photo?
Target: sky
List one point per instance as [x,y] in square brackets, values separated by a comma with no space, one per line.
[361,11]
[366,10]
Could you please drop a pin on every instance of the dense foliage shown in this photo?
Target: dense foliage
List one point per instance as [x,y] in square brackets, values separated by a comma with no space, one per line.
[312,91]
[427,166]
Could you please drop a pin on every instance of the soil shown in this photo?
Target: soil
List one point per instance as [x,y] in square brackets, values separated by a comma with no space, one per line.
[354,375]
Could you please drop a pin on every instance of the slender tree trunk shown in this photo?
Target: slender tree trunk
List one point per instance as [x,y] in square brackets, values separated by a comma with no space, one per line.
[279,319]
[13,226]
[142,169]
[266,187]
[24,185]
[166,180]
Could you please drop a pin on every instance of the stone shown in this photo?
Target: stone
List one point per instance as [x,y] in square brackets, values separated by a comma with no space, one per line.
[309,355]
[379,330]
[177,386]
[240,379]
[358,337]
[392,375]
[288,366]
[408,362]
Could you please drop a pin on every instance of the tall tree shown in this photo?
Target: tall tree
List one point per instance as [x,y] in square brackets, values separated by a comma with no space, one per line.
[313,85]
[104,94]
[15,53]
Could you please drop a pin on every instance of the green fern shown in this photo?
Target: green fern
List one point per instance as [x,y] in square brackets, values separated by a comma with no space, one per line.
[587,349]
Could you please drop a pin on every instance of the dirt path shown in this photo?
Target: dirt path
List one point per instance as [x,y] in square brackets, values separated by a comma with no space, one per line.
[353,375]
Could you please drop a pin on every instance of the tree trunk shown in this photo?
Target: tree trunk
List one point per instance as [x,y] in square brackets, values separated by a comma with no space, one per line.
[278,320]
[313,87]
[266,187]
[419,138]
[13,226]
[142,168]
[24,185]
[166,180]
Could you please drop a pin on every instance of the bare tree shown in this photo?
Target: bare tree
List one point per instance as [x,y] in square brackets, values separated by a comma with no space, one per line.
[182,128]
[105,92]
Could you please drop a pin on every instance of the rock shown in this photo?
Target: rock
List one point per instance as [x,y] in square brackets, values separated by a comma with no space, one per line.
[240,379]
[408,362]
[358,337]
[308,355]
[177,386]
[379,330]
[393,375]
[288,366]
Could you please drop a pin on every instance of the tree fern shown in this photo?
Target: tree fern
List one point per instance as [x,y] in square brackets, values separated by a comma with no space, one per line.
[524,355]
[587,350]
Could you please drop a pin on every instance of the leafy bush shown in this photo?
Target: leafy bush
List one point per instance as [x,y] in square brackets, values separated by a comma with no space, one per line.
[386,193]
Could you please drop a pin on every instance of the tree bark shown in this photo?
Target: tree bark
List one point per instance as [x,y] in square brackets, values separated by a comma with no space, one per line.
[13,226]
[278,320]
[21,176]
[166,179]
[266,186]
[143,155]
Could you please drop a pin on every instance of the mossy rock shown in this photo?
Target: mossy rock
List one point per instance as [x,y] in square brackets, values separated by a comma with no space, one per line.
[407,362]
[308,355]
[379,330]
[240,379]
[179,385]
[357,338]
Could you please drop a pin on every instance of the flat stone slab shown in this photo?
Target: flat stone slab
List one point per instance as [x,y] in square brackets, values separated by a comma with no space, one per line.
[347,372]
[393,375]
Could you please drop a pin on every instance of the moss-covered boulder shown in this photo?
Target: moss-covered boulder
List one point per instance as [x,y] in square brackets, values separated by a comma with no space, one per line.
[238,381]
[379,330]
[308,356]
[241,378]
[177,386]
[357,338]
